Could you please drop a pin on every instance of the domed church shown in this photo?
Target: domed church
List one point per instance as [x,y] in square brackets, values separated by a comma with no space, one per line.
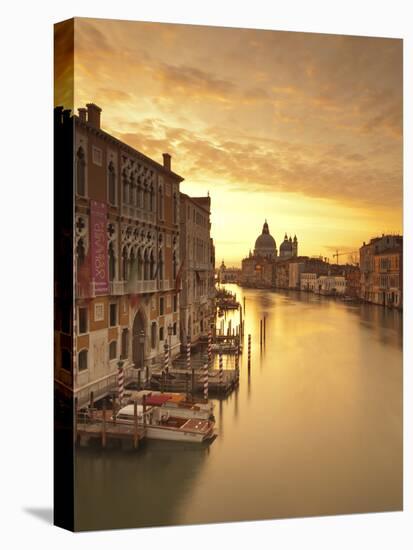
[258,269]
[265,245]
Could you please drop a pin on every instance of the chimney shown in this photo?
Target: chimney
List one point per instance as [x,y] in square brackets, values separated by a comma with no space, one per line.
[93,115]
[82,114]
[166,161]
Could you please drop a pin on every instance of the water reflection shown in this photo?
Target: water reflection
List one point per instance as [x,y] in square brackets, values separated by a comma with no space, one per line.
[321,432]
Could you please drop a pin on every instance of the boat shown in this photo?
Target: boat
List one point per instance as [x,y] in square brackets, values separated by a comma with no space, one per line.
[176,404]
[160,424]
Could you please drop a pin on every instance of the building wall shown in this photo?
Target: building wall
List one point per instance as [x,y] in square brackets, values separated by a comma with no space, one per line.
[198,270]
[143,254]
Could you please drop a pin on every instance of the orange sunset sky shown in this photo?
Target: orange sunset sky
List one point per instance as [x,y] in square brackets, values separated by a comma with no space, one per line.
[302,129]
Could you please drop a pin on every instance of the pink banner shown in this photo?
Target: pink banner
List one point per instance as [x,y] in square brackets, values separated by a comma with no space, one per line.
[99,247]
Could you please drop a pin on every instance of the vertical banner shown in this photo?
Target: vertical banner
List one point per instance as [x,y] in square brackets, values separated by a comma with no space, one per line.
[99,247]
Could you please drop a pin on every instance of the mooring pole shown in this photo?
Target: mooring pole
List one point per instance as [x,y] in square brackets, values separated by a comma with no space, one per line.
[135,425]
[261,333]
[264,327]
[249,351]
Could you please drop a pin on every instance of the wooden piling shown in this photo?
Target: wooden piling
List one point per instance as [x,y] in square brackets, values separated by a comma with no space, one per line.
[91,404]
[139,379]
[147,375]
[193,383]
[260,332]
[104,425]
[75,421]
[135,425]
[114,408]
[144,410]
[249,351]
[264,327]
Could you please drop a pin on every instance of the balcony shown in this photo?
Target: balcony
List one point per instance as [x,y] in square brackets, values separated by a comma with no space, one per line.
[140,287]
[134,212]
[164,284]
[117,288]
[85,290]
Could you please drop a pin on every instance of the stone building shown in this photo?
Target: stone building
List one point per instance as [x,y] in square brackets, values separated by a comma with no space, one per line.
[308,282]
[228,274]
[388,278]
[127,256]
[372,287]
[198,268]
[259,269]
[331,285]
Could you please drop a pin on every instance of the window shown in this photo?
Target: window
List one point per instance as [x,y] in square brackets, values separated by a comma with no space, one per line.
[97,156]
[175,302]
[80,172]
[174,329]
[82,360]
[125,343]
[82,320]
[112,263]
[113,350]
[66,326]
[175,209]
[99,312]
[80,254]
[153,335]
[66,360]
[113,315]
[112,183]
[161,306]
[161,334]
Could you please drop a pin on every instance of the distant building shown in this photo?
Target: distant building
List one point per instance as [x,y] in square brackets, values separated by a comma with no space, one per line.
[308,282]
[352,276]
[259,269]
[387,278]
[331,285]
[381,262]
[198,269]
[228,274]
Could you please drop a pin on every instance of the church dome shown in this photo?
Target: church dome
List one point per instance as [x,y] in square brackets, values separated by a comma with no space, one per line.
[265,244]
[286,246]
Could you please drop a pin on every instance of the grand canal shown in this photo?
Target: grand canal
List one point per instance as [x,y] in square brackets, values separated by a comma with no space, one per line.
[315,429]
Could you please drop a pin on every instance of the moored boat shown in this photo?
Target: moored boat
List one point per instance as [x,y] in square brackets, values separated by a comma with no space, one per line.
[176,404]
[159,424]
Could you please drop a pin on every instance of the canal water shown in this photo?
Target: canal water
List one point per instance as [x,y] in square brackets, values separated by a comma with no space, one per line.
[315,429]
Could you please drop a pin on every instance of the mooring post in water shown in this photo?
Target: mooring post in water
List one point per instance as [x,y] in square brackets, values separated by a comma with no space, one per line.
[162,381]
[104,424]
[193,383]
[261,333]
[91,404]
[244,305]
[264,327]
[147,375]
[221,372]
[249,351]
[144,410]
[187,385]
[135,424]
[114,407]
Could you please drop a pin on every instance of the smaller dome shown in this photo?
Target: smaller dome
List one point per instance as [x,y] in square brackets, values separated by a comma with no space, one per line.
[286,246]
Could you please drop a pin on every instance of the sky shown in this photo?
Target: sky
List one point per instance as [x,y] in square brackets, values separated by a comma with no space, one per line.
[304,130]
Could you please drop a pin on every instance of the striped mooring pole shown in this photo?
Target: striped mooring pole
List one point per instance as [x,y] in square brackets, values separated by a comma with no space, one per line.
[249,350]
[166,360]
[221,370]
[188,354]
[237,364]
[121,382]
[209,348]
[206,381]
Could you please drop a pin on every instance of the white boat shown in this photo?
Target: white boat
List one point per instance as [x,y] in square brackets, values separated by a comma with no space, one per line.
[161,425]
[176,404]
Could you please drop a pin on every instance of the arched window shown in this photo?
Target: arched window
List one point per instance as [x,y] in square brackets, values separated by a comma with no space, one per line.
[112,183]
[139,260]
[112,263]
[174,265]
[80,254]
[146,273]
[175,207]
[80,172]
[125,265]
[125,189]
[152,266]
[160,204]
[160,266]
[82,360]
[140,194]
[152,199]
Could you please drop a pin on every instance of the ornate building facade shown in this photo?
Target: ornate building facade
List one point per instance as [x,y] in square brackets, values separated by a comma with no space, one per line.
[127,256]
[259,269]
[198,268]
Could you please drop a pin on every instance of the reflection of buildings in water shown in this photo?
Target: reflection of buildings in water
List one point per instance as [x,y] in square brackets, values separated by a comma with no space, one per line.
[120,489]
[386,323]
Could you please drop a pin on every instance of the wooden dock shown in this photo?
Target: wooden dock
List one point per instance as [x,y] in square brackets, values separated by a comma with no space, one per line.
[192,382]
[97,427]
